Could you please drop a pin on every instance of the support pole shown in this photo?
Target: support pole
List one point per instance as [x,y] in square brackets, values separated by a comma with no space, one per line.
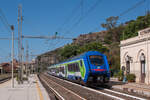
[27,63]
[12,71]
[20,47]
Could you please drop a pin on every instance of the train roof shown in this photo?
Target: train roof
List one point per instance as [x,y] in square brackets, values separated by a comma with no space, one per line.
[85,53]
[81,56]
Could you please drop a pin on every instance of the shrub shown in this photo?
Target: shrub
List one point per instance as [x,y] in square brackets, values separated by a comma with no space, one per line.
[120,75]
[17,77]
[25,78]
[131,77]
[115,75]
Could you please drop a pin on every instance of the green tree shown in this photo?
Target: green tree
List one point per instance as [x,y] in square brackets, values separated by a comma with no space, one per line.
[132,28]
[93,46]
[110,23]
[68,51]
[72,50]
[113,30]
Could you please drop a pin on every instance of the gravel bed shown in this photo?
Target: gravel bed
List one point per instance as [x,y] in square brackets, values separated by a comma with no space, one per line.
[67,95]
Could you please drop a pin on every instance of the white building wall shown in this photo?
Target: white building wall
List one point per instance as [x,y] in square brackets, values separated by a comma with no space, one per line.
[134,49]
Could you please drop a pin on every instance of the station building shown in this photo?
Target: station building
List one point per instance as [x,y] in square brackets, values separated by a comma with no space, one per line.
[1,69]
[135,56]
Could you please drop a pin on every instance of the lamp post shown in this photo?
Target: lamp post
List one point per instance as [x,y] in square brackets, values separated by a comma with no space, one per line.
[12,28]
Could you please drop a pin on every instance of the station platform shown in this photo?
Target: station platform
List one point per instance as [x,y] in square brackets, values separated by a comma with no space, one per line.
[138,88]
[29,90]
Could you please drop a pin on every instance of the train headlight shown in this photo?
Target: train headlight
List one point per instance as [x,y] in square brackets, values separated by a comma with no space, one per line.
[98,78]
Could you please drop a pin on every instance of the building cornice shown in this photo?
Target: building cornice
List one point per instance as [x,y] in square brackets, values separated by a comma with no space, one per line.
[134,42]
[143,35]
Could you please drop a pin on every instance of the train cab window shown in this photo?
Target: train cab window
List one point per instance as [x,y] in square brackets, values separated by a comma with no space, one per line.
[96,60]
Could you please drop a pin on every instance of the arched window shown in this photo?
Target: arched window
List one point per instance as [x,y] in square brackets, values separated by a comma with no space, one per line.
[142,63]
[128,59]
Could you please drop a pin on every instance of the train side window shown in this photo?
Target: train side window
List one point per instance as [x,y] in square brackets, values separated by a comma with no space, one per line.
[63,71]
[73,68]
[74,65]
[60,69]
[78,69]
[81,63]
[68,67]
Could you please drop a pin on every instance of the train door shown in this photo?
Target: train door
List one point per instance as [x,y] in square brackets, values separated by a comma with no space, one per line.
[63,71]
[66,70]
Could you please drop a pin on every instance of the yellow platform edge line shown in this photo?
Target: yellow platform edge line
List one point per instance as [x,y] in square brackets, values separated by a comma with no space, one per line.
[39,90]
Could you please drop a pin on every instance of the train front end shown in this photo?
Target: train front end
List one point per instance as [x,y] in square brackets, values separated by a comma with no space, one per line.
[98,68]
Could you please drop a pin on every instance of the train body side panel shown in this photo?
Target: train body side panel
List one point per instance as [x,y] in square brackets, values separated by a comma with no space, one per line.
[107,66]
[86,64]
[72,75]
[86,70]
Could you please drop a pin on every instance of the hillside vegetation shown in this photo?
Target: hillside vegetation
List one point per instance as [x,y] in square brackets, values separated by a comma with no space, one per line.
[106,42]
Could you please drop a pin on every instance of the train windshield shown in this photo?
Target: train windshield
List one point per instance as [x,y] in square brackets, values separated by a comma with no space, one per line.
[96,60]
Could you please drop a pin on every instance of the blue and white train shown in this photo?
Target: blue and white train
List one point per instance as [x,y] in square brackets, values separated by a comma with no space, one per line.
[88,68]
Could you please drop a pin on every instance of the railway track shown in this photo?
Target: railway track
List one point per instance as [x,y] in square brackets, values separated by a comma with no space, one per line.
[72,91]
[4,80]
[60,92]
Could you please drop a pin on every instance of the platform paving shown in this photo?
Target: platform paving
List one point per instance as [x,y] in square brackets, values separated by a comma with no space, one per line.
[138,88]
[29,90]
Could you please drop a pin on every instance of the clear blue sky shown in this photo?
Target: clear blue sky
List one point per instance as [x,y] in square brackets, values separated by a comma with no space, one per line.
[45,17]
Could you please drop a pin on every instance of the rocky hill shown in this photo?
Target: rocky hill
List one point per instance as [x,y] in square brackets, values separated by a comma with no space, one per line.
[53,57]
[87,38]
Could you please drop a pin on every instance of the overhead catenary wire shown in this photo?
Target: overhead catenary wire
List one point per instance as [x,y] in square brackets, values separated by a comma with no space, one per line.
[5,24]
[53,45]
[4,17]
[70,17]
[126,11]
[4,20]
[131,8]
[46,37]
[81,15]
[85,15]
[5,38]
